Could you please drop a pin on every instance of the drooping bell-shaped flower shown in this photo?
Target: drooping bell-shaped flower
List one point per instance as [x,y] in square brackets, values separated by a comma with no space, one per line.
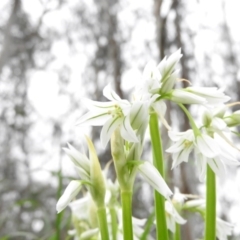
[69,194]
[173,216]
[90,173]
[153,177]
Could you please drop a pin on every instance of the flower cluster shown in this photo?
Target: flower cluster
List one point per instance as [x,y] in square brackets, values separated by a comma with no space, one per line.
[124,123]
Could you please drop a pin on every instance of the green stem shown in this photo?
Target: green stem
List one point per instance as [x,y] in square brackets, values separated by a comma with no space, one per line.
[190,118]
[177,234]
[59,192]
[126,197]
[102,221]
[113,223]
[148,226]
[161,223]
[210,223]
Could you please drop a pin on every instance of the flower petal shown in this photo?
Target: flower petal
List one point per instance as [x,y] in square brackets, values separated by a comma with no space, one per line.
[169,208]
[181,156]
[207,146]
[78,158]
[166,66]
[138,114]
[108,129]
[201,165]
[224,229]
[176,136]
[93,119]
[217,166]
[182,96]
[80,207]
[153,177]
[127,131]
[112,95]
[211,94]
[83,174]
[218,123]
[160,107]
[96,105]
[70,192]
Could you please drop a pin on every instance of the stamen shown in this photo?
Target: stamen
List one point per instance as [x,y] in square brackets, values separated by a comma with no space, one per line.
[233,104]
[184,80]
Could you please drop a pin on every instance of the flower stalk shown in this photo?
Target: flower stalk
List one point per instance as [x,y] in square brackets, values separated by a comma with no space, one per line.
[125,183]
[114,224]
[102,222]
[126,197]
[161,223]
[177,234]
[210,223]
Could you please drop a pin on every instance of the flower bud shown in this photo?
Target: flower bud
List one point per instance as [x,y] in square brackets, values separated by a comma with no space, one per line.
[185,97]
[233,120]
[98,188]
[70,192]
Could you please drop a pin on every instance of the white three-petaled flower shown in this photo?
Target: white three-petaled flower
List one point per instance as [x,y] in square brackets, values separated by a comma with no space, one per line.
[111,115]
[207,151]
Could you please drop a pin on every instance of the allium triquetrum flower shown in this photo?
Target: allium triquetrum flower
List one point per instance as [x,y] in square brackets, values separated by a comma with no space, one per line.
[207,151]
[173,216]
[111,115]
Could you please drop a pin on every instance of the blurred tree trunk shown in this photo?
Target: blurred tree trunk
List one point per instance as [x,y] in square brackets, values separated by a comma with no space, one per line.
[163,44]
[230,57]
[7,44]
[187,181]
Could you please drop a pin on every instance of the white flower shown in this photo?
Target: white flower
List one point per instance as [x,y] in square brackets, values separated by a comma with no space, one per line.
[173,216]
[81,162]
[206,146]
[196,203]
[70,192]
[151,79]
[214,124]
[179,198]
[185,97]
[207,151]
[79,159]
[233,119]
[211,94]
[166,68]
[153,177]
[224,229]
[80,207]
[111,115]
[182,147]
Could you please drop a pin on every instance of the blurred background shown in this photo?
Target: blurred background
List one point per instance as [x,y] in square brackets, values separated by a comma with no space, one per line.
[54,52]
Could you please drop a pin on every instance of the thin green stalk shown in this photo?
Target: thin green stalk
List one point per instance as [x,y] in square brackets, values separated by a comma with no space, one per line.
[102,221]
[177,234]
[148,226]
[210,223]
[59,192]
[190,118]
[161,223]
[114,225]
[126,197]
